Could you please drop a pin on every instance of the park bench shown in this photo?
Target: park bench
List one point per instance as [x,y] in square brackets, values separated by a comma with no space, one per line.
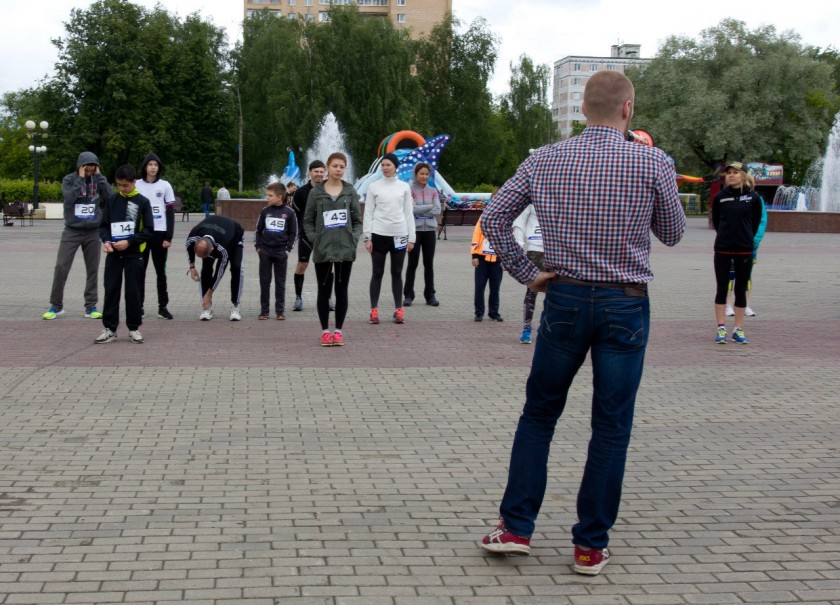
[20,210]
[179,207]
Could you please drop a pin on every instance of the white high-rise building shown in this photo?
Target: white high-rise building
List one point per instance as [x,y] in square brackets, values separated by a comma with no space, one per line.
[571,74]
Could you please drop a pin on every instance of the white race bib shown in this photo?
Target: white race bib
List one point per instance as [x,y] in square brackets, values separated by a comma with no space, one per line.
[85,211]
[335,218]
[535,234]
[122,230]
[160,217]
[487,248]
[400,242]
[275,224]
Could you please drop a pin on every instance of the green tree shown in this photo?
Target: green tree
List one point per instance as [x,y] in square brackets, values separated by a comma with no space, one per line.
[130,80]
[525,107]
[453,70]
[737,94]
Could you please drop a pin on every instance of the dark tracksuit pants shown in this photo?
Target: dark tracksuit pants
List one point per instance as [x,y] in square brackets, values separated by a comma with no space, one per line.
[425,242]
[159,255]
[234,267]
[487,272]
[273,261]
[120,268]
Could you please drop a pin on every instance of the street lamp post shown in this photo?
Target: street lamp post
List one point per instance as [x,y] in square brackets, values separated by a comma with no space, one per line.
[37,151]
[241,132]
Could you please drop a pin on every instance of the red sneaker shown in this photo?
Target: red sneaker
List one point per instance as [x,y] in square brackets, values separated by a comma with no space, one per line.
[501,540]
[399,318]
[338,339]
[263,316]
[326,339]
[374,316]
[590,561]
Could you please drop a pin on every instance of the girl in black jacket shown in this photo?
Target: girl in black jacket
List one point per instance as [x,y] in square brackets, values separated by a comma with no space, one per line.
[736,216]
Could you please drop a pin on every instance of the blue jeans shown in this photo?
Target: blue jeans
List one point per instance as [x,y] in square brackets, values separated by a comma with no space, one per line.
[578,319]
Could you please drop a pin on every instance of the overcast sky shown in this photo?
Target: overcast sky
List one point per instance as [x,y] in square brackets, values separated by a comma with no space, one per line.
[546,30]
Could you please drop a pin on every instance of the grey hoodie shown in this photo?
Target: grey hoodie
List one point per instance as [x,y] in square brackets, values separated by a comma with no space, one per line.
[82,196]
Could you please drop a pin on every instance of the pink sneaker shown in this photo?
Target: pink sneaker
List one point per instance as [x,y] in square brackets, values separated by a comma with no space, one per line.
[502,541]
[326,339]
[590,561]
[338,339]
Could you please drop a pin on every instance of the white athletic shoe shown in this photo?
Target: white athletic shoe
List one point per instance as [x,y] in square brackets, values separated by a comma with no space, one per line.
[135,336]
[749,312]
[207,314]
[730,312]
[106,336]
[235,315]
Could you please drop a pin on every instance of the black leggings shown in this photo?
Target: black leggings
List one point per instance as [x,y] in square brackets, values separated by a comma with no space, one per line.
[326,276]
[383,245]
[742,264]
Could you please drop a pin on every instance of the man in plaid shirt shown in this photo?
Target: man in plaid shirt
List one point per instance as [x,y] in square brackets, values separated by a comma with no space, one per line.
[597,197]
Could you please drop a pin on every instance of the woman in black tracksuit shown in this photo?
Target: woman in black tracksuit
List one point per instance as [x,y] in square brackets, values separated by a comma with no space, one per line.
[736,216]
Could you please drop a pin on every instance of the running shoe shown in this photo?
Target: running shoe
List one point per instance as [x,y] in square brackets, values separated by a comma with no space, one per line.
[739,336]
[135,336]
[263,316]
[374,316]
[721,335]
[163,313]
[338,339]
[399,316]
[280,317]
[503,541]
[496,317]
[106,336]
[730,312]
[207,314]
[433,302]
[590,561]
[526,336]
[92,313]
[53,313]
[749,312]
[235,315]
[408,301]
[326,339]
[298,304]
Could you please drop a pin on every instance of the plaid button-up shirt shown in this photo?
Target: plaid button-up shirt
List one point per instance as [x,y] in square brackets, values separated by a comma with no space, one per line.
[597,197]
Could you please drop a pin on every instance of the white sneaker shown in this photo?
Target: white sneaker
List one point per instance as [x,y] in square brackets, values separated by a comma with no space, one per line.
[207,314]
[135,336]
[235,315]
[749,312]
[106,336]
[730,312]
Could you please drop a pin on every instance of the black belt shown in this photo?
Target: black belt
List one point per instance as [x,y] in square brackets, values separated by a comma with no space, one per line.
[630,289]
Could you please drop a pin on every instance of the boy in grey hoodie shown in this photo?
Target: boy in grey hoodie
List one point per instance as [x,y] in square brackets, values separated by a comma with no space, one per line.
[82,191]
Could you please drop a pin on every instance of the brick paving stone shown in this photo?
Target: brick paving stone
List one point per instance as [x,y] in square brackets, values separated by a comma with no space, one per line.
[238,462]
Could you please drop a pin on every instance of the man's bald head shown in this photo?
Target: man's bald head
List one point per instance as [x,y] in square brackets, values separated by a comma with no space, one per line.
[608,99]
[204,247]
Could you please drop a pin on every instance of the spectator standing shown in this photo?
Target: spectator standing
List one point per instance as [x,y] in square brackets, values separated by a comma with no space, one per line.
[426,200]
[597,197]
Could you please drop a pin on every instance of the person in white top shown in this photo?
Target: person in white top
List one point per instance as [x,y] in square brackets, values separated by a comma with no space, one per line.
[160,195]
[223,193]
[388,230]
[528,234]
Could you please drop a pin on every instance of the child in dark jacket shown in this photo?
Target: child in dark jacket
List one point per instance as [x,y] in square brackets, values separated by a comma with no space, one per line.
[127,225]
[274,239]
[488,268]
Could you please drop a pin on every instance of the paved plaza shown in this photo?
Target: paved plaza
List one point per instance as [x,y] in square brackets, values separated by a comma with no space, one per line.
[223,462]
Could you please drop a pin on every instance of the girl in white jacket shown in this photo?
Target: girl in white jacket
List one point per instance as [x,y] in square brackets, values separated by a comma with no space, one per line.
[388,230]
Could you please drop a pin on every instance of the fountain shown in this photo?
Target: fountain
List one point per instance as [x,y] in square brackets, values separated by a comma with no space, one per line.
[815,205]
[329,139]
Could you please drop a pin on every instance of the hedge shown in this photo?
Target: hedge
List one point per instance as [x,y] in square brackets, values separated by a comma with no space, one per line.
[21,191]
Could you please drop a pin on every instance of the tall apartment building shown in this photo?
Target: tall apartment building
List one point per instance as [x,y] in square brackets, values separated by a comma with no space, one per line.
[571,74]
[418,15]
